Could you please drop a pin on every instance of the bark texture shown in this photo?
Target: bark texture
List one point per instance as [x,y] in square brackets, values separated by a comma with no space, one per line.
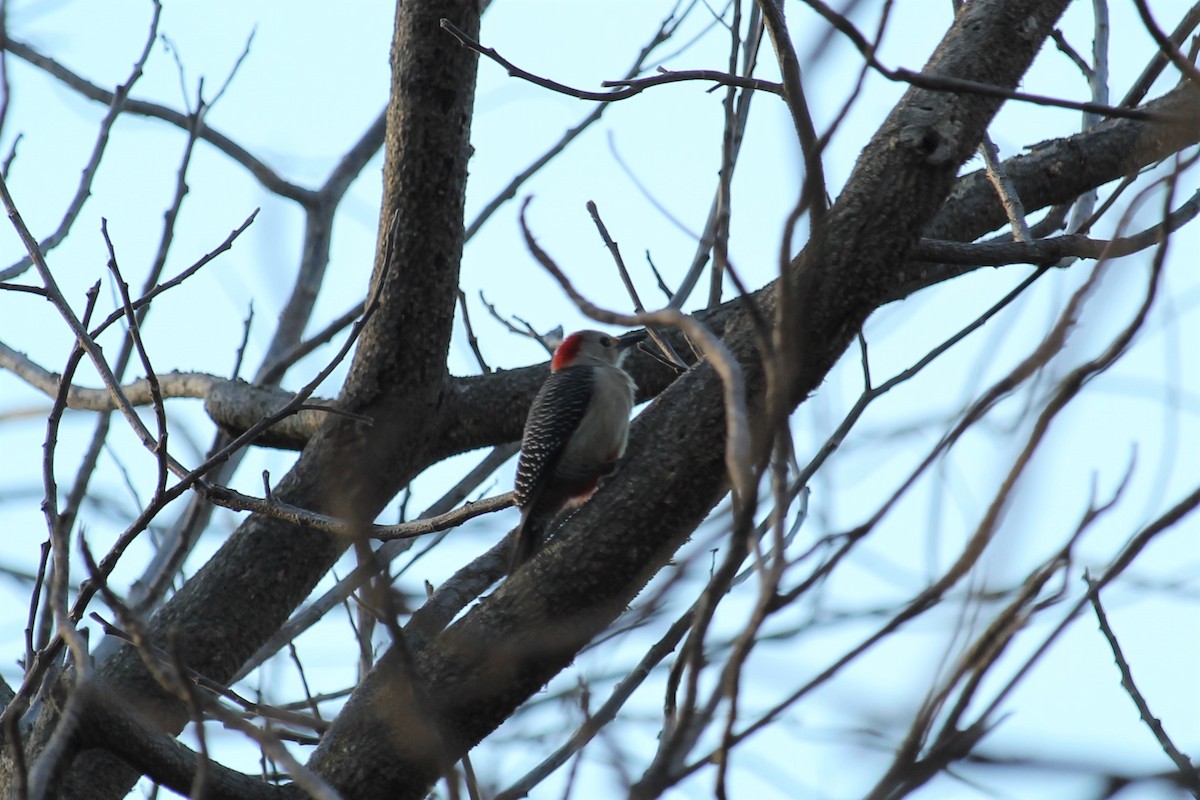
[477,672]
[247,590]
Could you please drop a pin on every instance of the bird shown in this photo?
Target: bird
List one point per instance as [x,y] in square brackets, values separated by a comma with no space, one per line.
[575,432]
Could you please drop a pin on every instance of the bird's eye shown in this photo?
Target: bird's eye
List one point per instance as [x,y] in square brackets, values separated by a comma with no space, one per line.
[606,342]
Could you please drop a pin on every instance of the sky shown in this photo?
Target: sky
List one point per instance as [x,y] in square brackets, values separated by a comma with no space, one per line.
[314,78]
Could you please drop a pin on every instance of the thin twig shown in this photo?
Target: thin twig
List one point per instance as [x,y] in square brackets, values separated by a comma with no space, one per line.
[812,193]
[1053,250]
[666,30]
[116,105]
[305,618]
[672,358]
[264,174]
[941,83]
[472,340]
[237,501]
[631,87]
[145,299]
[272,371]
[46,656]
[733,137]
[1187,771]
[1166,46]
[1160,60]
[135,335]
[998,177]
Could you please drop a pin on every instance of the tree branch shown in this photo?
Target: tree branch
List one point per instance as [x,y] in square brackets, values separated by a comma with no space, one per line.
[510,644]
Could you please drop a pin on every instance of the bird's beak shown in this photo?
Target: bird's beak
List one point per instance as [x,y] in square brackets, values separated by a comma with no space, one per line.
[630,339]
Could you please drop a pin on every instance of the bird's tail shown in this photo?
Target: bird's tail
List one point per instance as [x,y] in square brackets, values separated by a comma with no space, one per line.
[527,537]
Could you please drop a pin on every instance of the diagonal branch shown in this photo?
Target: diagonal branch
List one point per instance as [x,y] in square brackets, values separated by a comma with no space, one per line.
[510,644]
[265,175]
[268,566]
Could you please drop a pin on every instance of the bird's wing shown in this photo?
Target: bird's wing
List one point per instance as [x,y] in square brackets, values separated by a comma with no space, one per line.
[555,413]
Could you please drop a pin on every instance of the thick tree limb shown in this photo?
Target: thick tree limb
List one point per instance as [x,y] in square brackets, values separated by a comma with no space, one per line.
[485,665]
[237,600]
[1062,169]
[1051,250]
[108,724]
[491,408]
[1054,172]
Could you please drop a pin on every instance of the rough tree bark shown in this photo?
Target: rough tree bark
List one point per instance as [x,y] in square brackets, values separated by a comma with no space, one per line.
[511,644]
[398,375]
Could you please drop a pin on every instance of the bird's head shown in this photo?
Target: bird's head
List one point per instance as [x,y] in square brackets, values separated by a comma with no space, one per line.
[596,347]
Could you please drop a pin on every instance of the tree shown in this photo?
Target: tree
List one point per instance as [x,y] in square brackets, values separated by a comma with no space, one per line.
[729,382]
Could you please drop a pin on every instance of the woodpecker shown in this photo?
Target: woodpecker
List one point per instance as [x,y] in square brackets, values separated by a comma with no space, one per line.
[574,434]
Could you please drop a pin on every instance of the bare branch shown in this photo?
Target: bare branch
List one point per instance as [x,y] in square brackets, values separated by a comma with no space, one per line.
[264,174]
[1005,189]
[812,196]
[666,76]
[117,102]
[1052,250]
[308,616]
[138,393]
[665,31]
[1157,64]
[228,498]
[939,83]
[631,86]
[1166,45]
[1190,774]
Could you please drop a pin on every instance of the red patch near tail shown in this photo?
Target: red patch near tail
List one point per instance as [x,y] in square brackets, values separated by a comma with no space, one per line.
[575,501]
